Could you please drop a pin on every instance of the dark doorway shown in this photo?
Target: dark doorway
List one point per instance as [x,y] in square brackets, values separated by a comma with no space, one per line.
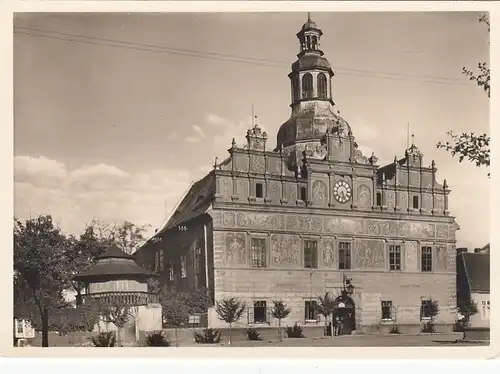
[259,312]
[345,315]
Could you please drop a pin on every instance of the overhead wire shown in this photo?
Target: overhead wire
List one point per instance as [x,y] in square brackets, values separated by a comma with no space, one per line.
[115,43]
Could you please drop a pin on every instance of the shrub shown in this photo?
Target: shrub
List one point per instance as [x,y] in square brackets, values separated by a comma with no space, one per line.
[157,339]
[428,327]
[394,330]
[209,336]
[253,334]
[294,332]
[104,339]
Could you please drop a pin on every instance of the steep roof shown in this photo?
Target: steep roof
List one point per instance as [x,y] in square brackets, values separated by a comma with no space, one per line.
[195,203]
[477,271]
[114,262]
[114,252]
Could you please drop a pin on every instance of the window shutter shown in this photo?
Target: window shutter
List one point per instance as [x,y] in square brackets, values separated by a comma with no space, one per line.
[250,315]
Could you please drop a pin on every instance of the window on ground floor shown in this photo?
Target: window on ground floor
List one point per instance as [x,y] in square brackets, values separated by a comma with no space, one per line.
[426,309]
[311,310]
[259,311]
[387,310]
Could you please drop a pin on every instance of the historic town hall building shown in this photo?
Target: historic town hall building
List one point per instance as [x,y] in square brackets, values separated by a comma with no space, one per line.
[290,222]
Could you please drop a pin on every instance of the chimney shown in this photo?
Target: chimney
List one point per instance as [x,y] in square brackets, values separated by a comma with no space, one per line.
[461,250]
[477,250]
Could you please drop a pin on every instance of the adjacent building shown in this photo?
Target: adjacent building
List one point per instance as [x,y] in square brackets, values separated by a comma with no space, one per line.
[292,220]
[116,279]
[473,279]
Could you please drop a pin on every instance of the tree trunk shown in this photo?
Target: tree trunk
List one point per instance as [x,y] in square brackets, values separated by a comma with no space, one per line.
[45,327]
[333,323]
[118,342]
[230,332]
[176,338]
[279,330]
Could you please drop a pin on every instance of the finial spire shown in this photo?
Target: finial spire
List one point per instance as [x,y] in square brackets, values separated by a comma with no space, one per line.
[408,135]
[308,16]
[412,139]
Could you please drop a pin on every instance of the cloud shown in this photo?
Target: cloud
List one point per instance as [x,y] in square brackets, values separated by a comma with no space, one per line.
[214,119]
[224,131]
[191,139]
[199,131]
[171,136]
[76,196]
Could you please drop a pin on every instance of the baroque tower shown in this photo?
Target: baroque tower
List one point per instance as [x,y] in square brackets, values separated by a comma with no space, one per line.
[313,121]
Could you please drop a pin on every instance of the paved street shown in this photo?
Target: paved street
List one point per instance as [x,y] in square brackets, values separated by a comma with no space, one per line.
[368,341]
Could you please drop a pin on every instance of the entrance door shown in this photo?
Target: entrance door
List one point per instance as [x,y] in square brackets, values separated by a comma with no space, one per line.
[345,311]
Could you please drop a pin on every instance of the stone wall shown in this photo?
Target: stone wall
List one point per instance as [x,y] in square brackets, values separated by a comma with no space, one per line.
[285,278]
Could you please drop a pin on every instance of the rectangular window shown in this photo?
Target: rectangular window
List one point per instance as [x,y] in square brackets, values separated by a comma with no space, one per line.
[259,190]
[259,312]
[425,309]
[157,261]
[160,257]
[303,193]
[310,254]
[311,310]
[199,263]
[386,310]
[426,259]
[415,202]
[379,199]
[171,271]
[344,255]
[183,267]
[394,257]
[258,252]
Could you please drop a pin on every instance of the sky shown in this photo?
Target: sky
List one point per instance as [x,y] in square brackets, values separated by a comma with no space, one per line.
[115,114]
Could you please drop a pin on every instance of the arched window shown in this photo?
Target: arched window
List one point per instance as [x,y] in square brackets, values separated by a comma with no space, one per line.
[314,42]
[295,88]
[307,86]
[322,86]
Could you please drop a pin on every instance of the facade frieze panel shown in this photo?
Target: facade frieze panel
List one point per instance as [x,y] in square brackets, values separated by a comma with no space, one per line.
[356,226]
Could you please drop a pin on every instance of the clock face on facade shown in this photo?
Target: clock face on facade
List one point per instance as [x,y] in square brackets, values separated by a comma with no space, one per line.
[342,191]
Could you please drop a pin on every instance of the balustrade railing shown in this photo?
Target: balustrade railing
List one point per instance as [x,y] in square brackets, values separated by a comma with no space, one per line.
[123,297]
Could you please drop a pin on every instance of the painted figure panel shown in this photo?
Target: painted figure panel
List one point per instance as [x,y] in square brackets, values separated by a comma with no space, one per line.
[370,254]
[236,253]
[285,250]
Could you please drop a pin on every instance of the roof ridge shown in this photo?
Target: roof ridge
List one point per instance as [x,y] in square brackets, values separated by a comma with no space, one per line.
[465,270]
